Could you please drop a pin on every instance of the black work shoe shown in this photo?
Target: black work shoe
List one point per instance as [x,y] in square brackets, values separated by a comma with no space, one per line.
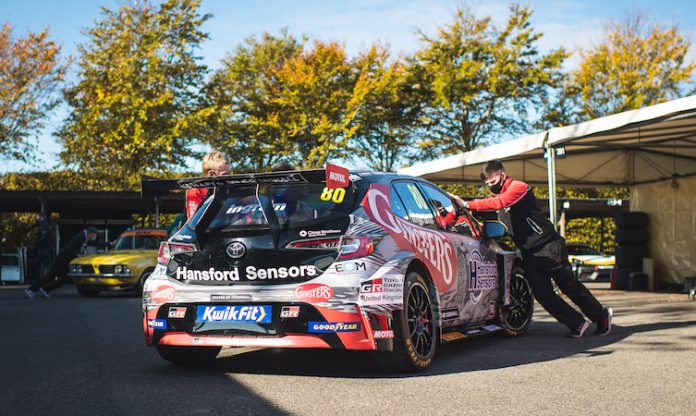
[604,325]
[579,331]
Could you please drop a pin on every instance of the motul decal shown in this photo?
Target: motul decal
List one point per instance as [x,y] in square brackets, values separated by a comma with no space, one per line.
[336,176]
[430,246]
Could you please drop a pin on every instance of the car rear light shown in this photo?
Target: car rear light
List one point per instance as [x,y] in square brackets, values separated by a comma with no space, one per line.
[359,246]
[168,250]
[321,244]
[596,268]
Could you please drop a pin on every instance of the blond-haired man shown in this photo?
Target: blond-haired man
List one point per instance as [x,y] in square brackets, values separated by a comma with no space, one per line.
[214,164]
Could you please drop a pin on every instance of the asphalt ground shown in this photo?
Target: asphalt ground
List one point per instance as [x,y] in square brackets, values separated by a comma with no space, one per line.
[75,356]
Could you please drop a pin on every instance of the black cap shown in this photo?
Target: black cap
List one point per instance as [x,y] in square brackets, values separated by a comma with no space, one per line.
[92,230]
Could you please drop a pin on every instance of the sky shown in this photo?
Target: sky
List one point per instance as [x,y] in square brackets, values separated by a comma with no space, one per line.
[572,24]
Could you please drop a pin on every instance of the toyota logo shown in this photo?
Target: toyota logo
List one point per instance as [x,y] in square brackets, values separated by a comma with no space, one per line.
[236,250]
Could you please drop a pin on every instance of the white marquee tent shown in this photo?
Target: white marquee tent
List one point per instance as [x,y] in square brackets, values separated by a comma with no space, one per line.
[651,150]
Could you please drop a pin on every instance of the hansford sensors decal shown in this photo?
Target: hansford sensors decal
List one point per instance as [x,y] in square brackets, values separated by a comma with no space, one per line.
[247,273]
[483,276]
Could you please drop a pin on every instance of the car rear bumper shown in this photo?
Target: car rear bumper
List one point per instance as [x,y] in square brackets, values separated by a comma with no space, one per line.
[280,333]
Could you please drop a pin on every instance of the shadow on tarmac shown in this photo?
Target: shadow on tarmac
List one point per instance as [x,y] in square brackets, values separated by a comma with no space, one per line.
[545,341]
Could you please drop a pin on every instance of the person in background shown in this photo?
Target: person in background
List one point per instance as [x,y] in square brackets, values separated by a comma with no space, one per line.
[282,166]
[43,244]
[56,275]
[544,252]
[214,164]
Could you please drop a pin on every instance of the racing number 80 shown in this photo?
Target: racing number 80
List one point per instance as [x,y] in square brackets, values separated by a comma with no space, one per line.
[335,195]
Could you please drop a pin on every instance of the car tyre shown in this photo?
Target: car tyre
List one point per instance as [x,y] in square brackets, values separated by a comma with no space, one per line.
[141,282]
[88,293]
[415,329]
[188,355]
[516,317]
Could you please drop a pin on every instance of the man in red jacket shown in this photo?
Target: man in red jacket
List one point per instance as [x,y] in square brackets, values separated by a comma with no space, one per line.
[214,164]
[544,252]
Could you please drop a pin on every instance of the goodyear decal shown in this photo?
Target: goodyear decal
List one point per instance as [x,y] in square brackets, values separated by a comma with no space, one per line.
[326,327]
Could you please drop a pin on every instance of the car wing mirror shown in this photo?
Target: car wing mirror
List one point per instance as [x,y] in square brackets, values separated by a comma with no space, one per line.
[494,229]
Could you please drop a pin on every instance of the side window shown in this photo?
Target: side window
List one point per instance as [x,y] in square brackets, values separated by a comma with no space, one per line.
[415,204]
[398,206]
[446,212]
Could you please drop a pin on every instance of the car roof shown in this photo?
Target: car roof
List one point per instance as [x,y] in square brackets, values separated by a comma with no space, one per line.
[145,231]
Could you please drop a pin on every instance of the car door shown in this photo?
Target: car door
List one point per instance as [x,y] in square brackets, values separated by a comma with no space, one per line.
[477,291]
[410,203]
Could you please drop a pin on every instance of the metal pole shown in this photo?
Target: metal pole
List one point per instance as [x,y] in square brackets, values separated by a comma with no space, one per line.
[157,213]
[551,165]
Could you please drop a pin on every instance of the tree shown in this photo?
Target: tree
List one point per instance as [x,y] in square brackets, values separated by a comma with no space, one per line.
[240,115]
[30,72]
[482,81]
[636,65]
[318,98]
[139,80]
[388,115]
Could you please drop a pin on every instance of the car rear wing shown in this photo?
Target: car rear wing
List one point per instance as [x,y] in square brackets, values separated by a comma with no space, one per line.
[154,187]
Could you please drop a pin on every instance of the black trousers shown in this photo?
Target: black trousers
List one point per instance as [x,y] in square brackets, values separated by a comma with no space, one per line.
[55,277]
[551,262]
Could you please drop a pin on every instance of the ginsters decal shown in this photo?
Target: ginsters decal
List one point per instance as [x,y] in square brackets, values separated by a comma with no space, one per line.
[430,246]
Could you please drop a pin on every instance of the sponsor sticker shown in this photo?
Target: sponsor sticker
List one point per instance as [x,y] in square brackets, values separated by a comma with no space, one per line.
[290,312]
[234,313]
[452,336]
[492,328]
[450,314]
[157,323]
[328,327]
[230,297]
[336,176]
[248,273]
[383,334]
[473,331]
[163,294]
[382,290]
[176,313]
[318,233]
[432,247]
[483,276]
[348,267]
[314,293]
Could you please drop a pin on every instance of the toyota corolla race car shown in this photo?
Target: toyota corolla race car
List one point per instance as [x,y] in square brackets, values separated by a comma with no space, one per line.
[378,262]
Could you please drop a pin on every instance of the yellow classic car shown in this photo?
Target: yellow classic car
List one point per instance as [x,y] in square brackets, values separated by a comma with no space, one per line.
[125,267]
[588,263]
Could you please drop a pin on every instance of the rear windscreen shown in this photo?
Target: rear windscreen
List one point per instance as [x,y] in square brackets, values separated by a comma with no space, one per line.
[293,205]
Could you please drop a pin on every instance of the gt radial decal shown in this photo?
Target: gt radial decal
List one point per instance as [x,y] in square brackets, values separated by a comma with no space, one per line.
[250,313]
[314,293]
[483,276]
[430,246]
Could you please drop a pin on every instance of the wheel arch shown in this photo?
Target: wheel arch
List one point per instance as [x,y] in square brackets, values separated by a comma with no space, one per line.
[418,266]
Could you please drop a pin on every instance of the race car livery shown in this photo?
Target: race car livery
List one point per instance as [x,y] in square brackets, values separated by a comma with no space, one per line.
[379,262]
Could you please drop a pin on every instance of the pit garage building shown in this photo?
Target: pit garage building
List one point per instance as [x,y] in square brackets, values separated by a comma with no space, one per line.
[652,151]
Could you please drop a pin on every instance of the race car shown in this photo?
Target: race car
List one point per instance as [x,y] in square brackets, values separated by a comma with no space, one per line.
[382,262]
[590,264]
[125,267]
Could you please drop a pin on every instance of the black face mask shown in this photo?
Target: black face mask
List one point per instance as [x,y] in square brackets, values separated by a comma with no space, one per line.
[498,187]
